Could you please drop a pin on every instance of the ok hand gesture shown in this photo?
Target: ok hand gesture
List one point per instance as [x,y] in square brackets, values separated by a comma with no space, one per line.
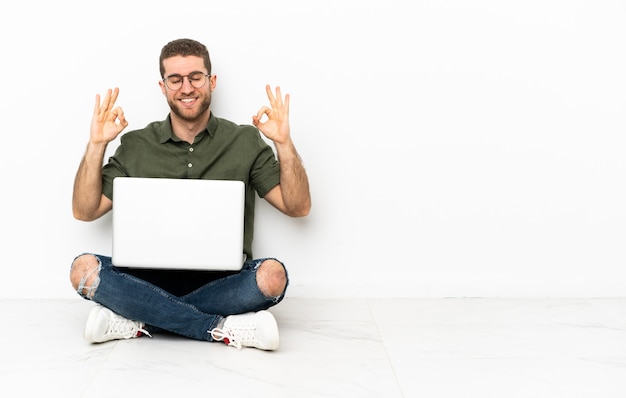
[276,127]
[107,122]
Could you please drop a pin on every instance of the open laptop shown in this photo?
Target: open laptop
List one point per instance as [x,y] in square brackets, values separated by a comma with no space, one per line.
[187,224]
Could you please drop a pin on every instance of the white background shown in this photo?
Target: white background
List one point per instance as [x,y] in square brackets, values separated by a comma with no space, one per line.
[454,148]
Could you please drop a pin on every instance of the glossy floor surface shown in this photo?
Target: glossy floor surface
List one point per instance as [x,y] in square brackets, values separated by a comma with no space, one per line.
[428,348]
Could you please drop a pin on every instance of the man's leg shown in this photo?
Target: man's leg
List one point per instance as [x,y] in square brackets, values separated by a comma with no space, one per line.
[259,285]
[94,278]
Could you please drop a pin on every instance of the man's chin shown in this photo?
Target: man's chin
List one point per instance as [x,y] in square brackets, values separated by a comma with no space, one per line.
[188,115]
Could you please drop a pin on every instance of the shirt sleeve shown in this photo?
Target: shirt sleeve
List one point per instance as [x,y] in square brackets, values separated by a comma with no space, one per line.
[112,169]
[265,173]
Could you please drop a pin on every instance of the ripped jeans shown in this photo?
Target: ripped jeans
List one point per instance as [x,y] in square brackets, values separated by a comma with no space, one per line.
[191,315]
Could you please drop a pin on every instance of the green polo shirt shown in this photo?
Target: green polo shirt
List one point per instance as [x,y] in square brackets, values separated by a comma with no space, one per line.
[223,151]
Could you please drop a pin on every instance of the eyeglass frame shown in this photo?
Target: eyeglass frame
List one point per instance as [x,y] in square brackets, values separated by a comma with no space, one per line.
[207,77]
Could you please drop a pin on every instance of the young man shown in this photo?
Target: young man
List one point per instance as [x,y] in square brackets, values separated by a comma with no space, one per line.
[190,143]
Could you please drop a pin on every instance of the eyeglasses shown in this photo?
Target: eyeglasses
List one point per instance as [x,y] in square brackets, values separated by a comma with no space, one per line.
[196,79]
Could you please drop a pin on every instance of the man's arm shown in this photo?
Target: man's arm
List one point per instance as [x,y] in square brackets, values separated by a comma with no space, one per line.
[88,202]
[292,195]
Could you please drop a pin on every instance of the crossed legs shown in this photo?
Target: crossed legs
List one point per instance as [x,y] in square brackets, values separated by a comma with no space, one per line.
[260,285]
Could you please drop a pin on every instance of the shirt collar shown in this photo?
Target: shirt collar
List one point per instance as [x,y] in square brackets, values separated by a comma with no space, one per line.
[166,133]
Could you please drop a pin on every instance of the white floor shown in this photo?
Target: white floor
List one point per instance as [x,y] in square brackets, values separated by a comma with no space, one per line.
[430,348]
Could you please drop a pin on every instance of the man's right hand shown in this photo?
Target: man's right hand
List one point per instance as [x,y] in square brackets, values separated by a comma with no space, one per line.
[107,122]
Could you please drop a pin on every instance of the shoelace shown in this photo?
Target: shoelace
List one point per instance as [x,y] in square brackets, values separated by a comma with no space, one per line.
[120,326]
[245,336]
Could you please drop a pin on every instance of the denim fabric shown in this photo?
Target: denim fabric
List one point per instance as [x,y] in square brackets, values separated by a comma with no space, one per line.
[192,315]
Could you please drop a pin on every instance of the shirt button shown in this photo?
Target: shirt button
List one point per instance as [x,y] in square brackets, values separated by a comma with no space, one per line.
[189,165]
[190,149]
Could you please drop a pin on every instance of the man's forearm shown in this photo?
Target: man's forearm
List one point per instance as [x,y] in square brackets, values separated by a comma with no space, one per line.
[294,181]
[88,183]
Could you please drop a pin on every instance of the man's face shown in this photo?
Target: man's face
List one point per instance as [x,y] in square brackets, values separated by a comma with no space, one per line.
[183,76]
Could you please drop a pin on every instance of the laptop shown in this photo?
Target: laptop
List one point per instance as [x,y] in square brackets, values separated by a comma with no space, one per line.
[185,224]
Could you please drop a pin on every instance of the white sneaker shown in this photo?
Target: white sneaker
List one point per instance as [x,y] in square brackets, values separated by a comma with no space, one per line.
[253,329]
[104,325]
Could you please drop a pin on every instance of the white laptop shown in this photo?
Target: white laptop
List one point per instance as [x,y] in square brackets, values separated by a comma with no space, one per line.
[189,224]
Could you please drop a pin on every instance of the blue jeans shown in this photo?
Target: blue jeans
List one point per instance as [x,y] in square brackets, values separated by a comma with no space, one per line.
[192,315]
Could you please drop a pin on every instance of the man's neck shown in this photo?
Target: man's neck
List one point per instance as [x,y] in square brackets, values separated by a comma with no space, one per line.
[188,130]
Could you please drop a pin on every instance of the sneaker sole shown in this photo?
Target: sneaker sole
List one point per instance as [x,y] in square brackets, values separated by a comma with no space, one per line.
[90,326]
[269,319]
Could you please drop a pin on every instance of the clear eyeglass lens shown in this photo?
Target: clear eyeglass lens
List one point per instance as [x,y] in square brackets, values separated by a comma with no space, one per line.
[197,80]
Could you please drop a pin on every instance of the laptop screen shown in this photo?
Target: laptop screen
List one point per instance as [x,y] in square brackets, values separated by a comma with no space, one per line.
[178,223]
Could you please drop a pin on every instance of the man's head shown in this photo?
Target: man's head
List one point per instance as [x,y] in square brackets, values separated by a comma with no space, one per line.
[187,81]
[185,48]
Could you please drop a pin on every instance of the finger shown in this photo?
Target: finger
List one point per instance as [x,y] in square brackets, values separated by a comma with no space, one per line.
[96,106]
[122,119]
[118,113]
[279,98]
[286,107]
[276,102]
[263,111]
[268,91]
[105,106]
[114,95]
[110,98]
